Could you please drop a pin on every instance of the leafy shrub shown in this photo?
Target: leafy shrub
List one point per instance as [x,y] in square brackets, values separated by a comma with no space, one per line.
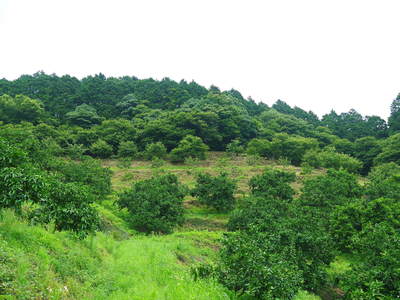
[291,147]
[11,156]
[21,185]
[157,163]
[384,181]
[273,183]
[189,146]
[155,204]
[235,147]
[252,211]
[69,207]
[279,246]
[251,263]
[390,150]
[74,151]
[330,159]
[87,172]
[215,191]
[101,149]
[127,149]
[287,146]
[259,147]
[376,275]
[281,243]
[155,150]
[334,188]
[384,171]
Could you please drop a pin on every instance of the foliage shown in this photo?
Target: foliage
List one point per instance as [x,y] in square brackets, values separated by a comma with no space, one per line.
[21,185]
[390,150]
[366,149]
[352,125]
[84,115]
[251,263]
[394,118]
[384,182]
[155,150]
[11,156]
[282,146]
[127,149]
[154,205]
[20,108]
[215,191]
[101,149]
[259,147]
[273,183]
[327,191]
[272,232]
[331,159]
[88,172]
[189,146]
[377,275]
[69,207]
[115,132]
[235,147]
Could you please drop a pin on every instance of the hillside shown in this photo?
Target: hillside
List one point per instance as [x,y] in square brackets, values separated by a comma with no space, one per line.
[120,263]
[127,188]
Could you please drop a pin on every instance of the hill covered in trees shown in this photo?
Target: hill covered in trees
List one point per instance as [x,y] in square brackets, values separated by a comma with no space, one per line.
[297,203]
[100,115]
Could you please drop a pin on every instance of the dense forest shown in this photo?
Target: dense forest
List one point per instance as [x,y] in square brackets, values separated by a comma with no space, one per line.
[325,191]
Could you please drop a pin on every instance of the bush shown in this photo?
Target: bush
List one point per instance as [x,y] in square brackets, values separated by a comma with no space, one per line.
[384,181]
[88,172]
[250,263]
[253,211]
[279,246]
[376,275]
[259,147]
[189,146]
[101,149]
[154,205]
[69,207]
[11,156]
[330,159]
[155,150]
[292,148]
[235,148]
[127,149]
[282,146]
[22,185]
[273,183]
[278,249]
[215,191]
[327,191]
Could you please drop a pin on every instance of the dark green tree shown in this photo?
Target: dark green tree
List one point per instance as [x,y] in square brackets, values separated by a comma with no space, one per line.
[154,205]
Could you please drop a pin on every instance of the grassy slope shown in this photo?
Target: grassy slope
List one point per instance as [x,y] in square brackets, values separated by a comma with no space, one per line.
[36,263]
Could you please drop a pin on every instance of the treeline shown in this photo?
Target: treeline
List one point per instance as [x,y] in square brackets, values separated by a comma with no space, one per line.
[102,117]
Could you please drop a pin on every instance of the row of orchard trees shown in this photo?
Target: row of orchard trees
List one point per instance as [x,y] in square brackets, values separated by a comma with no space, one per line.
[279,242]
[120,138]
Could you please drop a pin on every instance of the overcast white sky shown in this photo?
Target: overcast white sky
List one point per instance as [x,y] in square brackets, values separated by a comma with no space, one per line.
[316,54]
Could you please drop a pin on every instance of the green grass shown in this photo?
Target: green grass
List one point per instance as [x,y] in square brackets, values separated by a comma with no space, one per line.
[39,264]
